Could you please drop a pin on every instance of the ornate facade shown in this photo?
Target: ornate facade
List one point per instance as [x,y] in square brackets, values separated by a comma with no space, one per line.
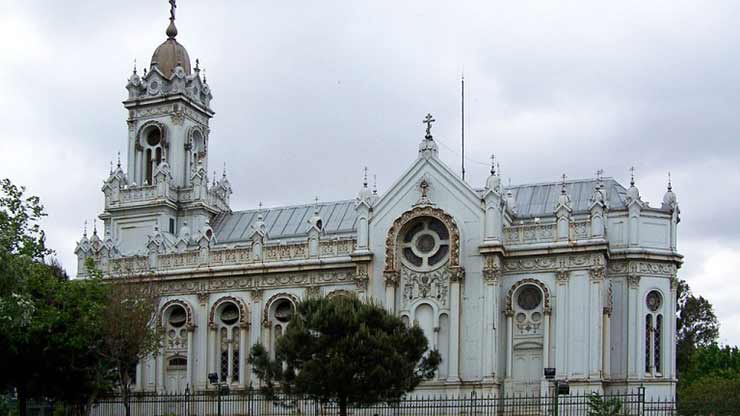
[505,281]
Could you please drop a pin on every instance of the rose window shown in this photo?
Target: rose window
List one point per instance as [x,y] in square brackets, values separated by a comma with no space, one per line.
[426,244]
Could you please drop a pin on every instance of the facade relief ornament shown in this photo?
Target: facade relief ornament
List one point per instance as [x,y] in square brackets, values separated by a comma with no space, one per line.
[492,270]
[203,298]
[256,294]
[313,291]
[633,281]
[362,277]
[457,274]
[561,277]
[391,278]
[428,285]
[597,273]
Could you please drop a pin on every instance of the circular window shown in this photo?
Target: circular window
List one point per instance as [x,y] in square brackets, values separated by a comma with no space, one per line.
[153,137]
[426,244]
[529,298]
[654,300]
[284,310]
[230,314]
[177,316]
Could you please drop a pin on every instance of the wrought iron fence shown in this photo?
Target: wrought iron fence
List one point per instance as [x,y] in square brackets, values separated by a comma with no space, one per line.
[255,404]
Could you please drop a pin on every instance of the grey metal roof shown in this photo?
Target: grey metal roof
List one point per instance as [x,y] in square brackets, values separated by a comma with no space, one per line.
[339,217]
[533,200]
[539,200]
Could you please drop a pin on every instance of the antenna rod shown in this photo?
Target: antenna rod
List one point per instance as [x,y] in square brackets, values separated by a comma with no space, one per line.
[462,96]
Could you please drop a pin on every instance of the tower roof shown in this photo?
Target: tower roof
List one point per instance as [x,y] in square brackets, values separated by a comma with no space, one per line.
[168,55]
[171,52]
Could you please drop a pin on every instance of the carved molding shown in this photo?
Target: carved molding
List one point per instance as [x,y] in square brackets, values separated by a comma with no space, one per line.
[552,263]
[561,277]
[545,294]
[642,267]
[243,311]
[340,293]
[203,298]
[597,273]
[433,285]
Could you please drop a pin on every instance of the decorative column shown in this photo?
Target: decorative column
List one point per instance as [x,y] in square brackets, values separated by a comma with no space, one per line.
[670,332]
[509,341]
[606,357]
[634,329]
[546,340]
[561,323]
[492,279]
[457,275]
[215,352]
[392,279]
[189,371]
[160,372]
[230,355]
[595,318]
[243,328]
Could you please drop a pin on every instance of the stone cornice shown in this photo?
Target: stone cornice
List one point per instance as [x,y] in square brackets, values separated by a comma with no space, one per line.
[165,99]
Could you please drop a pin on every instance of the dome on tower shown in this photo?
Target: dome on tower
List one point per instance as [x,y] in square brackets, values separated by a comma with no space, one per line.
[169,54]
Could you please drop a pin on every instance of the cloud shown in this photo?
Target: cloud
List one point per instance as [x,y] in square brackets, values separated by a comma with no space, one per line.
[306,94]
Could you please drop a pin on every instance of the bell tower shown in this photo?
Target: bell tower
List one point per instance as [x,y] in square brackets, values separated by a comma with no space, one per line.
[165,198]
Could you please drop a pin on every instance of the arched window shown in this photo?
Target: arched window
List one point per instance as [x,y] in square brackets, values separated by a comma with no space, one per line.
[228,321]
[654,334]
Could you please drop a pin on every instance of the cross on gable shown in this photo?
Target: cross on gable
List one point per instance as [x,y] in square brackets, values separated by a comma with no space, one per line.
[428,120]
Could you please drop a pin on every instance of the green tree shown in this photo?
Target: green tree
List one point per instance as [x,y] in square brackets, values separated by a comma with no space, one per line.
[600,406]
[696,325]
[50,327]
[713,393]
[346,351]
[130,330]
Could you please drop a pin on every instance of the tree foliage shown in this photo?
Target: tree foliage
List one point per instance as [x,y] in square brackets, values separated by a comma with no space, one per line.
[346,351]
[696,325]
[600,406]
[130,332]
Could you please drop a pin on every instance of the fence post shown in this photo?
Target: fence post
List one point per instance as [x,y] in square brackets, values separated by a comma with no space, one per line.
[641,394]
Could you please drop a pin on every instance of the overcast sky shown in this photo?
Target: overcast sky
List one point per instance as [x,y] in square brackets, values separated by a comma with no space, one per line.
[307,93]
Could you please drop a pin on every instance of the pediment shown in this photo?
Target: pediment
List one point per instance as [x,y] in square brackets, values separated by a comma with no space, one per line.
[444,189]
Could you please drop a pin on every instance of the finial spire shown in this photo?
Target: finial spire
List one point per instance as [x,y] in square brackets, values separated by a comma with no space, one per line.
[599,173]
[197,65]
[493,164]
[428,120]
[171,29]
[95,227]
[224,173]
[204,76]
[134,65]
[670,187]
[632,176]
[111,168]
[118,163]
[375,184]
[364,179]
[214,178]
[562,184]
[84,229]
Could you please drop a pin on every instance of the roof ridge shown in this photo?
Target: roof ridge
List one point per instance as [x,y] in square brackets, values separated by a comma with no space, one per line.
[340,201]
[604,178]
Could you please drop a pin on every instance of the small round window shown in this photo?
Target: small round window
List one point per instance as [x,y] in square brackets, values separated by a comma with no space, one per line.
[177,316]
[654,300]
[529,297]
[153,137]
[284,310]
[229,314]
[425,244]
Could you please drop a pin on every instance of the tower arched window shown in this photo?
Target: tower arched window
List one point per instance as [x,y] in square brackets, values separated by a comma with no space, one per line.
[153,151]
[654,334]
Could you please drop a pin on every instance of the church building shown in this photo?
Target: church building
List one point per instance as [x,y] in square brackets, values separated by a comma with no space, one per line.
[505,281]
